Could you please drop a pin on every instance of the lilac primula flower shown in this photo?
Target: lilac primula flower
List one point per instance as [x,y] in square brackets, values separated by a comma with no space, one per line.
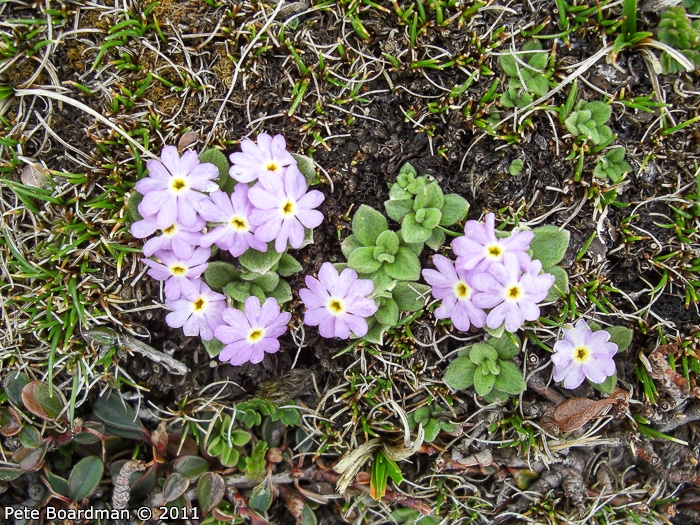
[479,247]
[338,304]
[512,294]
[173,187]
[582,353]
[454,287]
[178,273]
[283,208]
[198,312]
[269,154]
[236,232]
[248,336]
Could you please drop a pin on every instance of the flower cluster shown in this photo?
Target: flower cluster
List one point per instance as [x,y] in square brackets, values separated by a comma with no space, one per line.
[490,273]
[184,203]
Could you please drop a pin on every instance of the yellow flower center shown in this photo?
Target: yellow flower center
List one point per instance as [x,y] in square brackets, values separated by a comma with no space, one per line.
[335,306]
[178,270]
[198,305]
[514,292]
[288,208]
[494,251]
[169,230]
[581,354]
[462,290]
[255,335]
[178,184]
[272,166]
[239,223]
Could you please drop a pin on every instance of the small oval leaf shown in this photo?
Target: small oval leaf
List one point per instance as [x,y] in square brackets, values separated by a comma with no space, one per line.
[261,498]
[40,401]
[84,478]
[14,383]
[30,437]
[118,416]
[191,467]
[210,491]
[10,423]
[175,486]
[30,459]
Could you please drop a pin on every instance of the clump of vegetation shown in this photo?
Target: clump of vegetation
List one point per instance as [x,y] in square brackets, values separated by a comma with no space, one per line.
[677,31]
[430,416]
[418,203]
[587,123]
[489,368]
[526,75]
[612,165]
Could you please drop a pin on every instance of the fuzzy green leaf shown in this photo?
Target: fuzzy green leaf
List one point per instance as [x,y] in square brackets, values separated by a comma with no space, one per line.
[349,245]
[454,209]
[434,197]
[288,265]
[260,262]
[410,297]
[561,283]
[539,85]
[510,379]
[460,374]
[387,313]
[516,166]
[422,414]
[507,346]
[237,291]
[621,336]
[600,111]
[213,347]
[398,194]
[397,209]
[607,386]
[508,65]
[483,383]
[367,224]
[436,239]
[481,352]
[412,231]
[219,274]
[549,244]
[432,429]
[267,281]
[282,292]
[407,174]
[306,167]
[218,159]
[406,267]
[362,260]
[389,241]
[375,333]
